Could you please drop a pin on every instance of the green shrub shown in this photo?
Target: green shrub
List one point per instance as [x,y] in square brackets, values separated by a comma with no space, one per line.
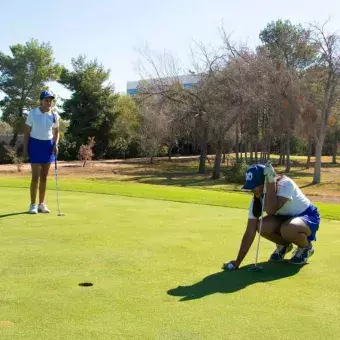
[237,172]
[163,151]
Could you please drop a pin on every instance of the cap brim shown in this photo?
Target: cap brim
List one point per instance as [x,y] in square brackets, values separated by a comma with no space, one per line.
[248,186]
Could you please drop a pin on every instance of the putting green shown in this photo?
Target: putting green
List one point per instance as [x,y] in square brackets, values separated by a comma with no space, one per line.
[155,269]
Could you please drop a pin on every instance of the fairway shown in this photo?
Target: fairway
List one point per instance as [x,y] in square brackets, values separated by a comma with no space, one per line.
[155,268]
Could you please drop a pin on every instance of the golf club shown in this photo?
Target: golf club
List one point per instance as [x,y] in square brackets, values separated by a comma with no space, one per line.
[57,186]
[255,267]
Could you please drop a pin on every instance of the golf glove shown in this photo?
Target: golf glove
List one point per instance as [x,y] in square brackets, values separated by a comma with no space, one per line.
[269,172]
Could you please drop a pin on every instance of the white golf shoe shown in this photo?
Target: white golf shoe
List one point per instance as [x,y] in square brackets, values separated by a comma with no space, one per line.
[33,209]
[42,208]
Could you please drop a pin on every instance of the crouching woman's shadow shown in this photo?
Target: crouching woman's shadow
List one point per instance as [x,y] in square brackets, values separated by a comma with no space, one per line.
[233,281]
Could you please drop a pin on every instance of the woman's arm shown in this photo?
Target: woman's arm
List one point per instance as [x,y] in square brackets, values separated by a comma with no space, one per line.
[56,136]
[273,202]
[247,241]
[27,133]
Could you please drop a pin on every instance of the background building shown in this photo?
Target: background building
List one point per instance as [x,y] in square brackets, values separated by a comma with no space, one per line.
[188,81]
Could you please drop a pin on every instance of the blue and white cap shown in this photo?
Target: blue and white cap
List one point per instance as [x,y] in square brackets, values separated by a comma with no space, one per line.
[254,177]
[46,94]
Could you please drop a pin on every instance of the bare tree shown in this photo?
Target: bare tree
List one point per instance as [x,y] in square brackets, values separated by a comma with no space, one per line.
[153,127]
[323,82]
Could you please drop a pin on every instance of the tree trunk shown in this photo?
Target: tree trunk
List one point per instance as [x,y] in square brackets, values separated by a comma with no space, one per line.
[309,152]
[282,151]
[256,147]
[269,148]
[237,142]
[171,146]
[14,140]
[245,152]
[318,154]
[217,163]
[203,156]
[334,150]
[289,136]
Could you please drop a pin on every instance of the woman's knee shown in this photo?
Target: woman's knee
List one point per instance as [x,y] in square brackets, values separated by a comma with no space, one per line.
[43,177]
[35,177]
[287,231]
[270,225]
[44,172]
[294,228]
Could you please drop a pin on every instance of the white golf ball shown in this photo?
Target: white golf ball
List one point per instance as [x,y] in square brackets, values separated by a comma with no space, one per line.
[231,266]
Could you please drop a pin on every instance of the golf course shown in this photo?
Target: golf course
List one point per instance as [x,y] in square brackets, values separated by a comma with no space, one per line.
[153,254]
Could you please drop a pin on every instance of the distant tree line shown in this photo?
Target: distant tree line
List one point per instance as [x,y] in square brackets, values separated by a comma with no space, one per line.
[281,97]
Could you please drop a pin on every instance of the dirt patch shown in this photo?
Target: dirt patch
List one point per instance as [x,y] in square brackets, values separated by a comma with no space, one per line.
[6,324]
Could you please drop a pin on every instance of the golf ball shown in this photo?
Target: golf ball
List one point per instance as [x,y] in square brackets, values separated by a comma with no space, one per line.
[231,266]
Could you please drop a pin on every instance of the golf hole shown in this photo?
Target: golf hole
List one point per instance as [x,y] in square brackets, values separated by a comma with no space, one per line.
[85,284]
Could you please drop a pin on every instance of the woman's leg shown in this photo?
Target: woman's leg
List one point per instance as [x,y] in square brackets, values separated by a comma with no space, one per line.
[270,230]
[296,231]
[45,168]
[34,181]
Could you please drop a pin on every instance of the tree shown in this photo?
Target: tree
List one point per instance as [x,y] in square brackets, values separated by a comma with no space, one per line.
[153,129]
[124,135]
[5,128]
[22,77]
[91,109]
[290,46]
[164,81]
[323,88]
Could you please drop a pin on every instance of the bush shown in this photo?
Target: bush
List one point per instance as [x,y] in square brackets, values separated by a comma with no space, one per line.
[67,150]
[85,153]
[163,151]
[237,172]
[4,157]
[15,156]
[298,146]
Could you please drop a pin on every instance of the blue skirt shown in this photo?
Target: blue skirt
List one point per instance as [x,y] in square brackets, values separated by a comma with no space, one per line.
[310,216]
[40,151]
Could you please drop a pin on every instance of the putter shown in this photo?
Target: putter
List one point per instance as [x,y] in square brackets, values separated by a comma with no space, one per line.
[255,267]
[57,186]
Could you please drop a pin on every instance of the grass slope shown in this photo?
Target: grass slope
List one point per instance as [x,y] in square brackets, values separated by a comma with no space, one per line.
[176,194]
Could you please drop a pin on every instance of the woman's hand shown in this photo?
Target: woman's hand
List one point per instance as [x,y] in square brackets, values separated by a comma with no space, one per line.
[269,172]
[232,265]
[55,149]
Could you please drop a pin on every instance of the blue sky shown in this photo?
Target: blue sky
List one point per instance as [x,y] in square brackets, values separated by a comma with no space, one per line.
[112,31]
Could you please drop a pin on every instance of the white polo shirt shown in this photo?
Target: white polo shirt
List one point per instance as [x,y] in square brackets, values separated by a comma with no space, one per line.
[297,201]
[42,124]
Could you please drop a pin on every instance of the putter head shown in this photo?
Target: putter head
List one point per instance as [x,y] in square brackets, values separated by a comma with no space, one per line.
[61,214]
[255,268]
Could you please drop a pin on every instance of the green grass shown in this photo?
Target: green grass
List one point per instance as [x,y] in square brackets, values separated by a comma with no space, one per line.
[177,194]
[155,266]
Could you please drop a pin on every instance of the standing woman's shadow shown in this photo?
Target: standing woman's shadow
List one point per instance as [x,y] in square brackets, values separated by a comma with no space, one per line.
[14,214]
[232,281]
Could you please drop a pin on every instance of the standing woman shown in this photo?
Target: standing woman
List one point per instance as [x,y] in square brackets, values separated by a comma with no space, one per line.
[41,146]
